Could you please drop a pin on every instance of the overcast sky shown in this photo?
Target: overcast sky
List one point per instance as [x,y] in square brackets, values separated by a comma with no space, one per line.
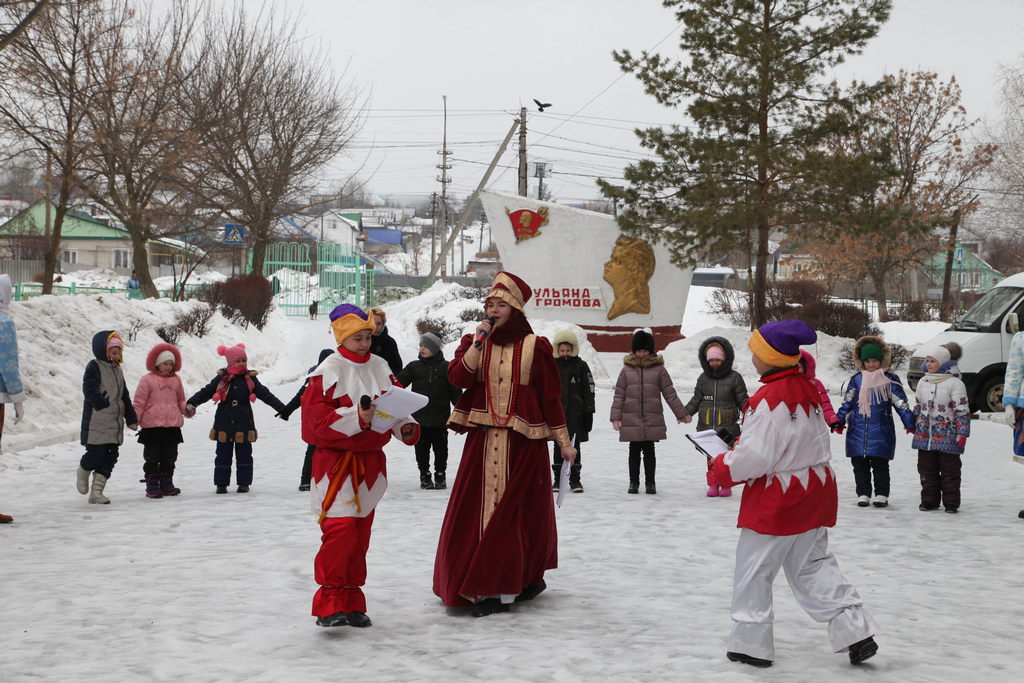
[492,57]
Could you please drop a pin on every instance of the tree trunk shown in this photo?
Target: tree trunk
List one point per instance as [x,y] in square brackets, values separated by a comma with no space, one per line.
[140,262]
[758,293]
[52,256]
[259,255]
[878,280]
[946,310]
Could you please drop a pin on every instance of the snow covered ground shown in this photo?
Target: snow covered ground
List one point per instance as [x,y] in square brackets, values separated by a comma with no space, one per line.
[214,588]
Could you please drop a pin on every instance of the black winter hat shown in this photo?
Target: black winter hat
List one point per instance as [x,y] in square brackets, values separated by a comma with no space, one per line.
[642,339]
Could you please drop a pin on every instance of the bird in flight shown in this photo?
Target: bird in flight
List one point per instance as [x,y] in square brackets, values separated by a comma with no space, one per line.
[541,106]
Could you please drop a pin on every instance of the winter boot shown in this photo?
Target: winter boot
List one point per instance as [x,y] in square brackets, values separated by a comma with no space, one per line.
[358,619]
[222,489]
[331,620]
[99,482]
[83,480]
[440,483]
[6,519]
[574,479]
[748,659]
[167,486]
[153,486]
[712,484]
[863,501]
[557,479]
[243,488]
[425,481]
[724,491]
[489,606]
[863,650]
[650,488]
[881,501]
[634,487]
[304,486]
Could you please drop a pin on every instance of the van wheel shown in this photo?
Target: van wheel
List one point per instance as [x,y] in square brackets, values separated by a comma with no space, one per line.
[990,398]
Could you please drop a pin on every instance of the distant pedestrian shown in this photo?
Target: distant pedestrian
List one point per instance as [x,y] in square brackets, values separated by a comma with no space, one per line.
[577,404]
[383,344]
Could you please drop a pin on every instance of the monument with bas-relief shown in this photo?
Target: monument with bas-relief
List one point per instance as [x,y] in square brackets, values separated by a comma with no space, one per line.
[584,270]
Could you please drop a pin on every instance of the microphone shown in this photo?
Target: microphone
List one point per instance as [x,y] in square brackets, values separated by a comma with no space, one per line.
[478,342]
[364,402]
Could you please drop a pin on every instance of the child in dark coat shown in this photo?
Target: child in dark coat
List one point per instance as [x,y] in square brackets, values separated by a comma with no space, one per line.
[718,399]
[234,429]
[291,407]
[106,409]
[871,396]
[429,376]
[577,403]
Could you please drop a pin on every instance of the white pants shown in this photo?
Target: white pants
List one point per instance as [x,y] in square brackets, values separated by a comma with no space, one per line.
[814,578]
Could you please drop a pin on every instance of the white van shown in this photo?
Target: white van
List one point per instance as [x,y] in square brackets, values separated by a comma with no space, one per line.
[984,332]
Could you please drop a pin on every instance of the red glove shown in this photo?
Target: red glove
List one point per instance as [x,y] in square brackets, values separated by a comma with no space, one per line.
[837,427]
[961,442]
[910,431]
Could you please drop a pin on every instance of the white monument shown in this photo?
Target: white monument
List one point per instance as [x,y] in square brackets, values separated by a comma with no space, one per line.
[584,270]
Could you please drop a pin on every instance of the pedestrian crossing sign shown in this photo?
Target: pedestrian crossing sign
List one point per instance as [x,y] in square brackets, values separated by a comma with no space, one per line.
[234,234]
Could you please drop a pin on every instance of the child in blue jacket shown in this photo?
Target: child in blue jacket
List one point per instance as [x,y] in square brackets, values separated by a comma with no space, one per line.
[870,398]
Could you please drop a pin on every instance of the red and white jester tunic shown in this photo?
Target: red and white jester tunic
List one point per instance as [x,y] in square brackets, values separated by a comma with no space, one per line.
[349,474]
[783,457]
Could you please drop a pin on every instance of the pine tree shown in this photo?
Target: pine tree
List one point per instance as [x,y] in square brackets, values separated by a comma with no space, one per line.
[760,109]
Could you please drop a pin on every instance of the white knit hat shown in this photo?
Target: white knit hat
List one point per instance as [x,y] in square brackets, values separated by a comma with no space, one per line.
[941,354]
[163,357]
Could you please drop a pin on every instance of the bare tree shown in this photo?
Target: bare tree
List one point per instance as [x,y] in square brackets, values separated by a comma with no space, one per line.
[16,16]
[44,99]
[140,137]
[269,114]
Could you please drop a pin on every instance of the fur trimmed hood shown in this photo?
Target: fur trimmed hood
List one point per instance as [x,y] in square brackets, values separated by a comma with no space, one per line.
[651,361]
[871,339]
[726,367]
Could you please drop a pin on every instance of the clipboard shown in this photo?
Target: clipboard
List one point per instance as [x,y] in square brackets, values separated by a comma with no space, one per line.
[708,443]
[563,482]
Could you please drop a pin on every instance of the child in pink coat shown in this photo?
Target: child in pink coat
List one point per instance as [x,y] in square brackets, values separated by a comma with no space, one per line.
[160,406]
[808,366]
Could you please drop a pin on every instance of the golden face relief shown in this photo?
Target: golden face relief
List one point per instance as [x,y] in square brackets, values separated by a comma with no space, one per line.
[628,271]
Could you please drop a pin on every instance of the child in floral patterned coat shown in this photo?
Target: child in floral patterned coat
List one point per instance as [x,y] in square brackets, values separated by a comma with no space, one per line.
[943,423]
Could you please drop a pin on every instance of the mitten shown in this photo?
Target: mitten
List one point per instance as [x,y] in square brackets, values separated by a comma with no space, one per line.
[961,442]
[190,410]
[284,415]
[19,412]
[1011,414]
[837,427]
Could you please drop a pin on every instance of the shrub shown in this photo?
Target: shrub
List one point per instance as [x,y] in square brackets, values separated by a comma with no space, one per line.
[472,315]
[132,329]
[914,311]
[730,303]
[244,299]
[169,333]
[195,322]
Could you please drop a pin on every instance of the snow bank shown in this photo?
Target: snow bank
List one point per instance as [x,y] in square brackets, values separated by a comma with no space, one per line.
[54,343]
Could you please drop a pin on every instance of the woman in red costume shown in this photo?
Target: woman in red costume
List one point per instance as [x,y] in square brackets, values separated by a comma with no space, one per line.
[498,536]
[349,473]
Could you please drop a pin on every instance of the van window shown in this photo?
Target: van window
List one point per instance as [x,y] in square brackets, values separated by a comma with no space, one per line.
[990,308]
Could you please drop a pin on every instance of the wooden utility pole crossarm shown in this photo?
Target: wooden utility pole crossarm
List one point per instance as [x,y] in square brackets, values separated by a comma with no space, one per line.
[469,206]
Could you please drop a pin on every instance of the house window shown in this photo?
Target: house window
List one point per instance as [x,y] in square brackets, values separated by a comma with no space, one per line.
[120,258]
[69,256]
[334,225]
[977,279]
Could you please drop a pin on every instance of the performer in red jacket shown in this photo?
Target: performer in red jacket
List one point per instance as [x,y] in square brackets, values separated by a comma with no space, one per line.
[788,503]
[349,472]
[498,536]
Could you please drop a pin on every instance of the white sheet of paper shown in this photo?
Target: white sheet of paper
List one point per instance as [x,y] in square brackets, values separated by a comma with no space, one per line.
[393,405]
[708,442]
[563,483]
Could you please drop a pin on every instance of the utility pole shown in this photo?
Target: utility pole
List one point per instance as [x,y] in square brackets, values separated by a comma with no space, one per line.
[444,180]
[433,228]
[472,202]
[522,152]
[539,172]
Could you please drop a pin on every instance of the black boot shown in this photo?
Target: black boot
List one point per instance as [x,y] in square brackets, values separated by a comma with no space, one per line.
[167,486]
[222,489]
[752,661]
[532,591]
[651,488]
[557,470]
[358,619]
[439,481]
[425,481]
[574,479]
[153,486]
[243,488]
[488,606]
[336,619]
[633,487]
[863,650]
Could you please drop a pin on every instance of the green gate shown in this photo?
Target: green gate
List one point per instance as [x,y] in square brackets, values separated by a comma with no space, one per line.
[330,275]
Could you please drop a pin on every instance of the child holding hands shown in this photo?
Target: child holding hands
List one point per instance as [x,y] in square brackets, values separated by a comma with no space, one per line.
[160,406]
[943,423]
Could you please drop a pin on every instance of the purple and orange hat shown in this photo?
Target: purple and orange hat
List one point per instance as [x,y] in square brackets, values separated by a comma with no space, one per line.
[778,343]
[347,319]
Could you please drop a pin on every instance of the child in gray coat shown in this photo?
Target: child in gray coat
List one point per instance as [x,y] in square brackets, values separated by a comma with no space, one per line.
[636,409]
[718,399]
